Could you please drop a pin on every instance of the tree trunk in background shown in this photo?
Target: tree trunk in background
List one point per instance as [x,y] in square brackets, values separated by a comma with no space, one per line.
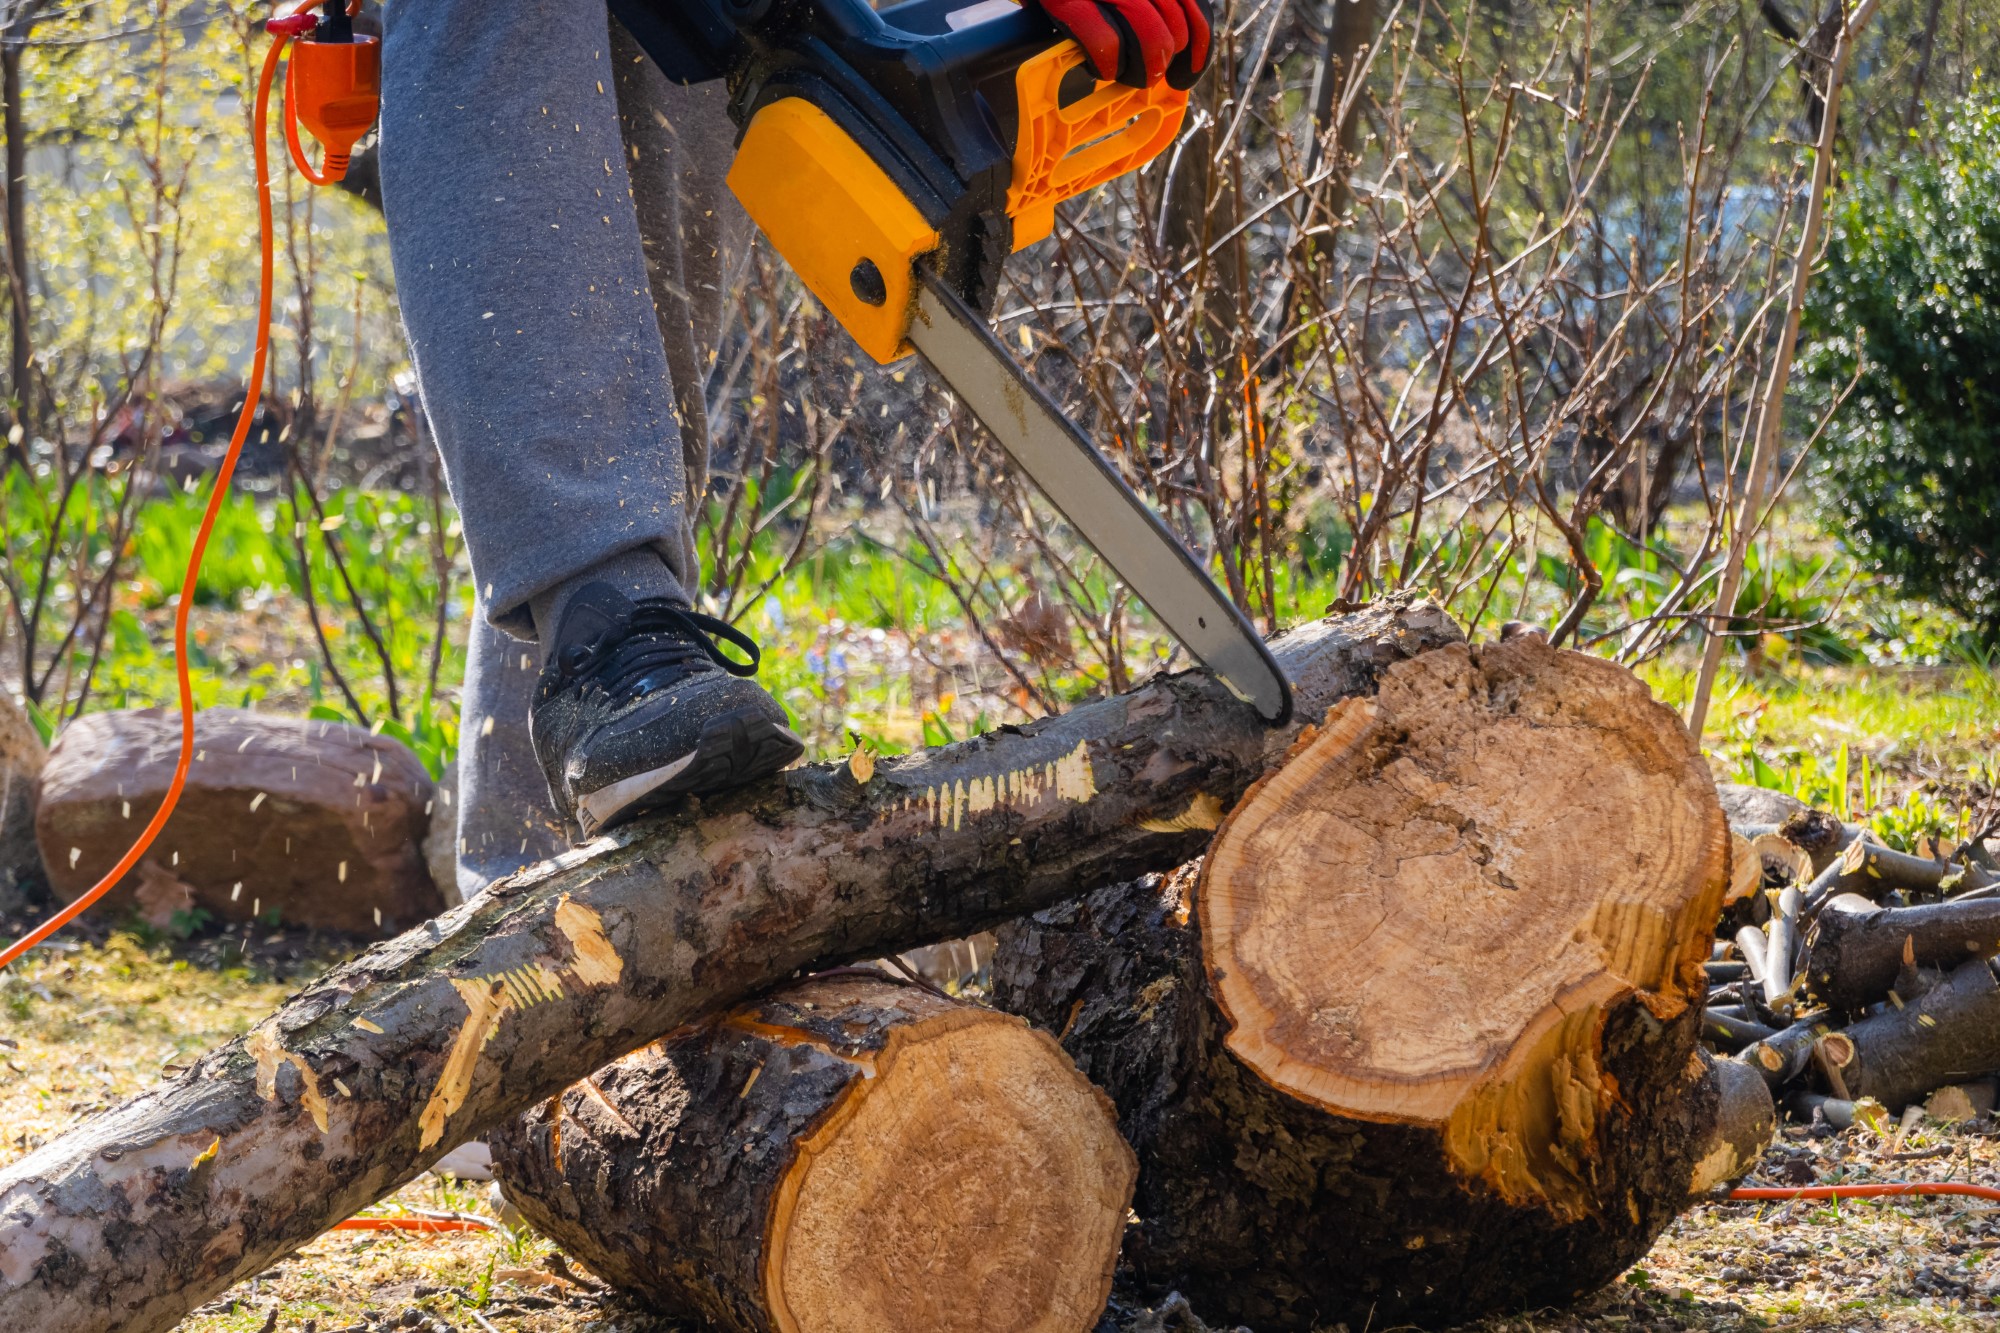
[851,1155]
[376,1070]
[20,351]
[1350,32]
[1420,1043]
[1926,47]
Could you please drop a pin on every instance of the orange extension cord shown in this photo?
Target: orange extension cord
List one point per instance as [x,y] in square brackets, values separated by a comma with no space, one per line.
[1889,1189]
[1747,1194]
[338,91]
[425,1224]
[253,392]
[282,32]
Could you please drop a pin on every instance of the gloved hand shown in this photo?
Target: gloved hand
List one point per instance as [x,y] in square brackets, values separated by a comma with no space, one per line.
[1138,42]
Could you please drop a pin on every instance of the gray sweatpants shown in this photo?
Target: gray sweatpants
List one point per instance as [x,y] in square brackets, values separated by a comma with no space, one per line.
[560,236]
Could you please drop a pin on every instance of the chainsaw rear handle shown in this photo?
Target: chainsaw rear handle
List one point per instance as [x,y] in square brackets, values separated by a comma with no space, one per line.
[983,128]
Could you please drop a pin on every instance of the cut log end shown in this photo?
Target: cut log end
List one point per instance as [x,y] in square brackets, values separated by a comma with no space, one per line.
[910,1163]
[1426,914]
[1745,1120]
[935,1196]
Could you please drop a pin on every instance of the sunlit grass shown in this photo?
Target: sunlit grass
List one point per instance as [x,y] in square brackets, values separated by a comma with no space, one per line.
[87,1026]
[1934,717]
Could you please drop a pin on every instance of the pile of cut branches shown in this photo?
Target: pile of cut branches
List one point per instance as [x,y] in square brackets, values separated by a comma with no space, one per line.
[1846,972]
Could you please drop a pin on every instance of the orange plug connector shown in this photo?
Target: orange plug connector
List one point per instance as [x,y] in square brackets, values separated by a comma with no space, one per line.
[333,86]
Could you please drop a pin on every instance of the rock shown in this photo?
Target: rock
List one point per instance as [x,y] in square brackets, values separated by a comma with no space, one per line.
[21,758]
[441,836]
[1743,804]
[320,823]
[468,1161]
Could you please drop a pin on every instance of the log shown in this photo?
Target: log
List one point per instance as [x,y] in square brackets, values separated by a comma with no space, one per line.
[1820,835]
[1731,1032]
[386,1063]
[848,1156]
[1746,1117]
[1872,870]
[1950,1035]
[1779,948]
[1750,942]
[1782,1057]
[1421,1042]
[1810,1106]
[1855,950]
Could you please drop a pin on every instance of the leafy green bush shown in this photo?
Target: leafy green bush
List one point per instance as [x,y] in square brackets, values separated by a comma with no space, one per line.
[1908,310]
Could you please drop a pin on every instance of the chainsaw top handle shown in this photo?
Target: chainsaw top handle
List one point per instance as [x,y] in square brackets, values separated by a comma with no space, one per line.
[979,112]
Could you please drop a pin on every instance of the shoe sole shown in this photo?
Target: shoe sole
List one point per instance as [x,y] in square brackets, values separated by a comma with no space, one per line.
[734,749]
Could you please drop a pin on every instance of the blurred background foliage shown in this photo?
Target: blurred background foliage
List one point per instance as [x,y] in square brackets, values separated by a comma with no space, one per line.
[1910,474]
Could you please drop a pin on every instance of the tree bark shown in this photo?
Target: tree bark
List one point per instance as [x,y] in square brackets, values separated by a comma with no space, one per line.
[1350,32]
[1782,1056]
[1855,951]
[1950,1035]
[1871,870]
[367,1077]
[851,1155]
[20,350]
[1421,1043]
[1746,1116]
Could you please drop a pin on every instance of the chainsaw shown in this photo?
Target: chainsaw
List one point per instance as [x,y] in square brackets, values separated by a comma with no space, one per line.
[895,159]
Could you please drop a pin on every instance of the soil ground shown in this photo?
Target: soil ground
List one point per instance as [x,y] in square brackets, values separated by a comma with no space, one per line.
[86,1024]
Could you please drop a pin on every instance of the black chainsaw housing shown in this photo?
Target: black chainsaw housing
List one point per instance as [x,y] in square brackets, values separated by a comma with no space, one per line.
[935,108]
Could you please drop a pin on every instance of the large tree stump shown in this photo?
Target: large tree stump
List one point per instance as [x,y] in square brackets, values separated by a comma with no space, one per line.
[375,1071]
[1421,1042]
[848,1156]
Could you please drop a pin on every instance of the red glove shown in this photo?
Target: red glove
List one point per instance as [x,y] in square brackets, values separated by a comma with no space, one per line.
[1138,42]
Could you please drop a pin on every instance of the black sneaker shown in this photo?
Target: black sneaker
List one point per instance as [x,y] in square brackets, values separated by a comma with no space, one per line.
[637,707]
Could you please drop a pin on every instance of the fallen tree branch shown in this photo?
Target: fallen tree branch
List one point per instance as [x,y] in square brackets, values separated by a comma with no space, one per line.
[1782,1057]
[1950,1035]
[1856,951]
[1872,870]
[371,1074]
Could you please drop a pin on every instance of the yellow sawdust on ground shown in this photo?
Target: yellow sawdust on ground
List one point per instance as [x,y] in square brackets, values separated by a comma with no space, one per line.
[84,1027]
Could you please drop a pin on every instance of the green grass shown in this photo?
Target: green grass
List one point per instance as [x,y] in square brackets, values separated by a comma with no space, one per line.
[1907,748]
[866,643]
[251,639]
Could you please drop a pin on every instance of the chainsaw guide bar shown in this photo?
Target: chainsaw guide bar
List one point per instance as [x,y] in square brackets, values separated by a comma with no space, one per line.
[1089,492]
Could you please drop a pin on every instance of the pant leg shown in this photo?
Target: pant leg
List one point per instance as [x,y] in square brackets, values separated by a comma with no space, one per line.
[525,293]
[678,145]
[679,142]
[505,820]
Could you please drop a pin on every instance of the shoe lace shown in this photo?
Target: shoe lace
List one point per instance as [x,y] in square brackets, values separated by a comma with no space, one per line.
[658,645]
